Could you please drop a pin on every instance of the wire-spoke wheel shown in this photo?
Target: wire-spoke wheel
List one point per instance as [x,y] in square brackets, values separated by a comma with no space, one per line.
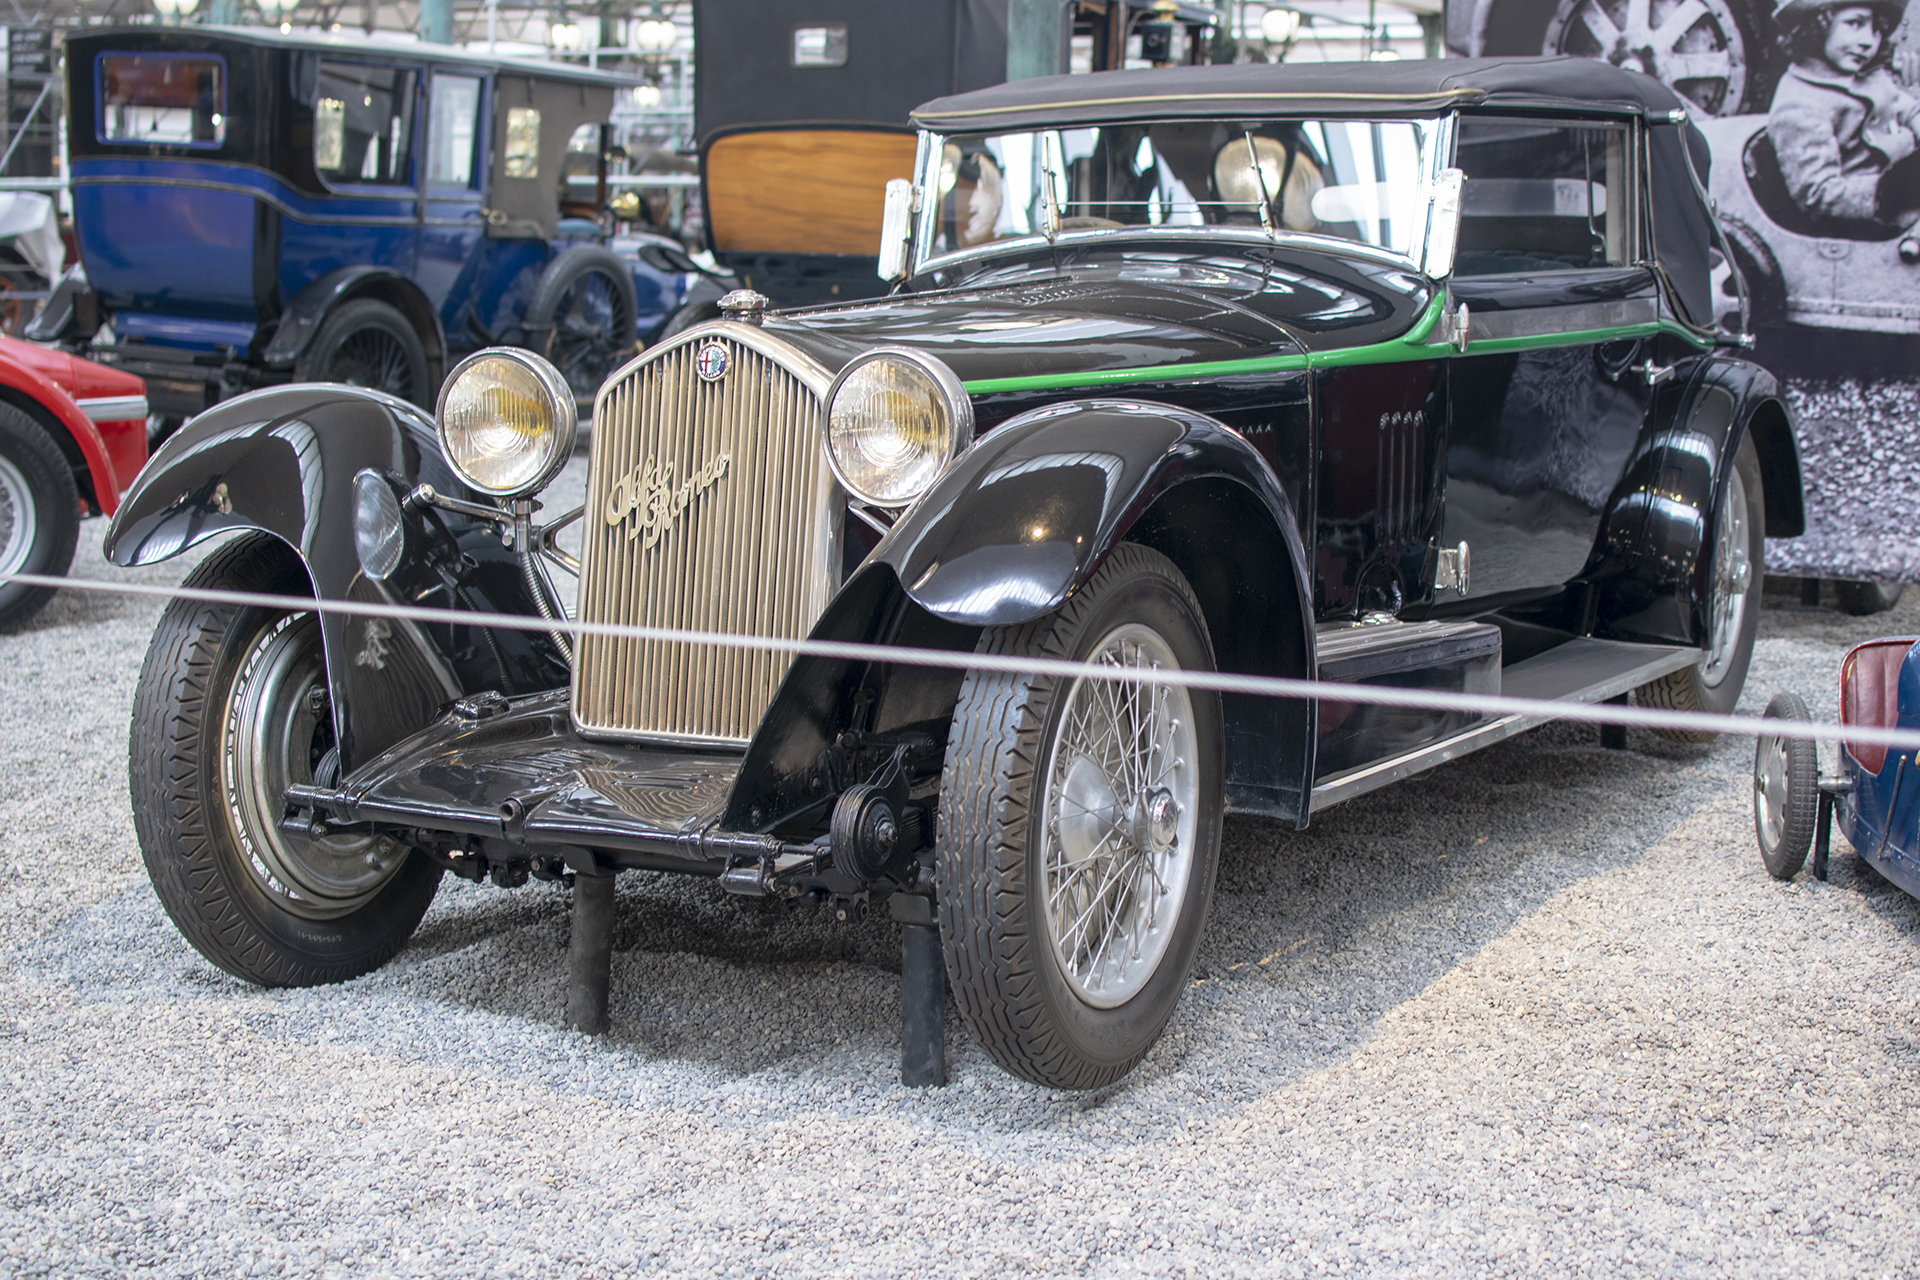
[1080,829]
[367,343]
[231,709]
[1784,792]
[1120,813]
[584,317]
[1732,613]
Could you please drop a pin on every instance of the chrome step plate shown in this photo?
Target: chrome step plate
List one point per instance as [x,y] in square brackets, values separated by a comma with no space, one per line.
[1582,670]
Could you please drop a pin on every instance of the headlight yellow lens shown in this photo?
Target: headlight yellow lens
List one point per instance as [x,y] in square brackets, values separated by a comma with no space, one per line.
[889,432]
[503,426]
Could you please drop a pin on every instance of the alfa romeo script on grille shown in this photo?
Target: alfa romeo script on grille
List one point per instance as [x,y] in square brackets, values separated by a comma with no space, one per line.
[649,495]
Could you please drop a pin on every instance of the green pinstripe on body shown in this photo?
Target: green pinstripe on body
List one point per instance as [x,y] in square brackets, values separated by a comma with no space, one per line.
[1413,345]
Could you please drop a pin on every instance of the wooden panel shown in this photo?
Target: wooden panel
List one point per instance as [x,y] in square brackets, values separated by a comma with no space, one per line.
[803,190]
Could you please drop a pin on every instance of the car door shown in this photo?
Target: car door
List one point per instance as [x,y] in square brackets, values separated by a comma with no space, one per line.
[453,218]
[1547,400]
[364,155]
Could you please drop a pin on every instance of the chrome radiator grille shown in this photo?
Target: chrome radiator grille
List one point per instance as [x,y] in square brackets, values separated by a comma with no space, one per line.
[709,507]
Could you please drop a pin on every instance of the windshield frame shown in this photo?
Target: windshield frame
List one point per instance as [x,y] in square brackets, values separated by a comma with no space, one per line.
[1444,128]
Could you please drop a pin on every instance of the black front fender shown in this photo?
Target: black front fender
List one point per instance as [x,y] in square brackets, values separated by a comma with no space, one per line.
[282,462]
[1025,518]
[1031,511]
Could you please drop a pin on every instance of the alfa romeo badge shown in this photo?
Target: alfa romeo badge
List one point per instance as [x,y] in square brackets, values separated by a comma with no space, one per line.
[711,362]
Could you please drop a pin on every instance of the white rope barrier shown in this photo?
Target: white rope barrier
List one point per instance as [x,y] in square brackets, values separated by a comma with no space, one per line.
[1496,705]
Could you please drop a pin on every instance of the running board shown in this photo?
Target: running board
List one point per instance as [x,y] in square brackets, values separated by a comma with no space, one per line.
[1581,670]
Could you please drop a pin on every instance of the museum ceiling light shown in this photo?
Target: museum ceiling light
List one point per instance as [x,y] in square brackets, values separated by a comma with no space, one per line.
[1279,26]
[655,35]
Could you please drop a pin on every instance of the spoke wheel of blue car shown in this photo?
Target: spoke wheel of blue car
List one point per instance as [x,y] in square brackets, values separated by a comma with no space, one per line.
[1694,47]
[1735,571]
[39,512]
[1785,798]
[367,343]
[231,709]
[583,317]
[1080,830]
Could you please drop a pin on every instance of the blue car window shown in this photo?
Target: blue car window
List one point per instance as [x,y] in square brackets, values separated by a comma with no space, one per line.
[363,125]
[162,99]
[452,114]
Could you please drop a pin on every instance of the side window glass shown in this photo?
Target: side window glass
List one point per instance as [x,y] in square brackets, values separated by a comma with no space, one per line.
[1543,196]
[451,116]
[363,125]
[162,99]
[580,167]
[522,158]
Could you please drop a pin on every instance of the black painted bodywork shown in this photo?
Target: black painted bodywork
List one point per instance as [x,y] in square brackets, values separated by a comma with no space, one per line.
[283,462]
[1296,489]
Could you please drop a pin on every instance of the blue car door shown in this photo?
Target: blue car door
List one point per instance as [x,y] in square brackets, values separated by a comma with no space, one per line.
[453,216]
[364,152]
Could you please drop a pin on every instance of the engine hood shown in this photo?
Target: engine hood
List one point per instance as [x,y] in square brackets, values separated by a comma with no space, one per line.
[1138,307]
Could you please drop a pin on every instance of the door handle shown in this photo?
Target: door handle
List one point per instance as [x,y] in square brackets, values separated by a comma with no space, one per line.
[1655,374]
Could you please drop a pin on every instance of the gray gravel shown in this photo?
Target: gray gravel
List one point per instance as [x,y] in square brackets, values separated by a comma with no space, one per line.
[1539,1012]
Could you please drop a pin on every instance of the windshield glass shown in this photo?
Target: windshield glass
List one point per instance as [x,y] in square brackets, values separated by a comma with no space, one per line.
[1362,180]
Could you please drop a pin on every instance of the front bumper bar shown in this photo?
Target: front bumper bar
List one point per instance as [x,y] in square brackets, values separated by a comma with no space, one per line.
[514,771]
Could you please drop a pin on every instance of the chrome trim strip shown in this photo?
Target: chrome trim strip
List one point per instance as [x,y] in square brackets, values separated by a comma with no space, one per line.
[114,408]
[1578,317]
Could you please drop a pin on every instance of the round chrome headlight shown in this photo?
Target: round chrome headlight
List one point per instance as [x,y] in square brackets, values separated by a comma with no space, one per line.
[895,418]
[506,421]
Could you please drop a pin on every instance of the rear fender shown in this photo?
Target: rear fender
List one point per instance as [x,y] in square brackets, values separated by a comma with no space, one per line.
[1652,560]
[282,462]
[310,307]
[1008,533]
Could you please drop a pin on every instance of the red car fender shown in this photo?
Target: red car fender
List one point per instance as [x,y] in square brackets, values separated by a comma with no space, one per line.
[113,451]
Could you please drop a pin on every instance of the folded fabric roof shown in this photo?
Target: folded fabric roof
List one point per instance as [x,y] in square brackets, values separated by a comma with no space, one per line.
[1407,87]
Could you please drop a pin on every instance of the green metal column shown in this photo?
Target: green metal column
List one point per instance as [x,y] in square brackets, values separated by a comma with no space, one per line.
[436,21]
[1036,38]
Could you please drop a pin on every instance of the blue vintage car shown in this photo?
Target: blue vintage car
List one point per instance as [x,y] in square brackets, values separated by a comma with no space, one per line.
[253,208]
[1876,792]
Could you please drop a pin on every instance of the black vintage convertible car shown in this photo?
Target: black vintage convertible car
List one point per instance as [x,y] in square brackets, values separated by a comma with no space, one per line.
[1401,374]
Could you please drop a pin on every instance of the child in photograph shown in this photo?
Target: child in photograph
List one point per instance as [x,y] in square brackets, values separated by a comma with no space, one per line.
[1845,131]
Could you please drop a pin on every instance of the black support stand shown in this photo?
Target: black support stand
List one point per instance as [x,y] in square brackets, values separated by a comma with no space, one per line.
[590,955]
[923,1007]
[1613,737]
[1822,835]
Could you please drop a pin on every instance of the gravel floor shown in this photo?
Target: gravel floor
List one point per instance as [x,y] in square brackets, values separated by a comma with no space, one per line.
[1538,1012]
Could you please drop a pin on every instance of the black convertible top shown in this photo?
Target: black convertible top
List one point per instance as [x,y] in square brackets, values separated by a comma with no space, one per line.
[1681,220]
[1409,87]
